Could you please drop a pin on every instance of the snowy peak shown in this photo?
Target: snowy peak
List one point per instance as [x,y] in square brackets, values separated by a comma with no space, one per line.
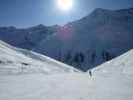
[106,14]
[38,27]
[130,10]
[99,11]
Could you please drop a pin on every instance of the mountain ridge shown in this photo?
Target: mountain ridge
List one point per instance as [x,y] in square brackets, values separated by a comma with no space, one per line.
[85,43]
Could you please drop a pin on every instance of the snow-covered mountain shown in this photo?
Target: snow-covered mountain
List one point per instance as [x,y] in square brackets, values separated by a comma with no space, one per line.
[20,61]
[110,81]
[98,37]
[86,43]
[26,38]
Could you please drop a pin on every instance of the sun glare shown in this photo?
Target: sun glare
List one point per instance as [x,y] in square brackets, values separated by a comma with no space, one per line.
[65,5]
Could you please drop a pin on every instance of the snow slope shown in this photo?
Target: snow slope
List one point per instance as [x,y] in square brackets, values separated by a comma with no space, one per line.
[18,61]
[122,65]
[107,83]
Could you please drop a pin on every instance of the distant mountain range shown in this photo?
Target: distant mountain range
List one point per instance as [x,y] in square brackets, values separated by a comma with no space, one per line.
[85,43]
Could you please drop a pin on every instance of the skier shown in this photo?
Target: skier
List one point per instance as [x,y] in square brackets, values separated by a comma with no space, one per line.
[90,73]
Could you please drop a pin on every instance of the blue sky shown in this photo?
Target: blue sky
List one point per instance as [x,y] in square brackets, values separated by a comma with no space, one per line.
[25,13]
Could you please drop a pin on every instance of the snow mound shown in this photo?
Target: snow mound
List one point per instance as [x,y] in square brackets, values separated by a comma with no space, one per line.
[19,61]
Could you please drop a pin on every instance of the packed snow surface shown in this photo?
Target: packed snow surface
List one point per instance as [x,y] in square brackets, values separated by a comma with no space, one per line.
[110,81]
[65,87]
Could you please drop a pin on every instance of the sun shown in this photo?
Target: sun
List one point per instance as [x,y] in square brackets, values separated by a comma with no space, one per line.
[65,5]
